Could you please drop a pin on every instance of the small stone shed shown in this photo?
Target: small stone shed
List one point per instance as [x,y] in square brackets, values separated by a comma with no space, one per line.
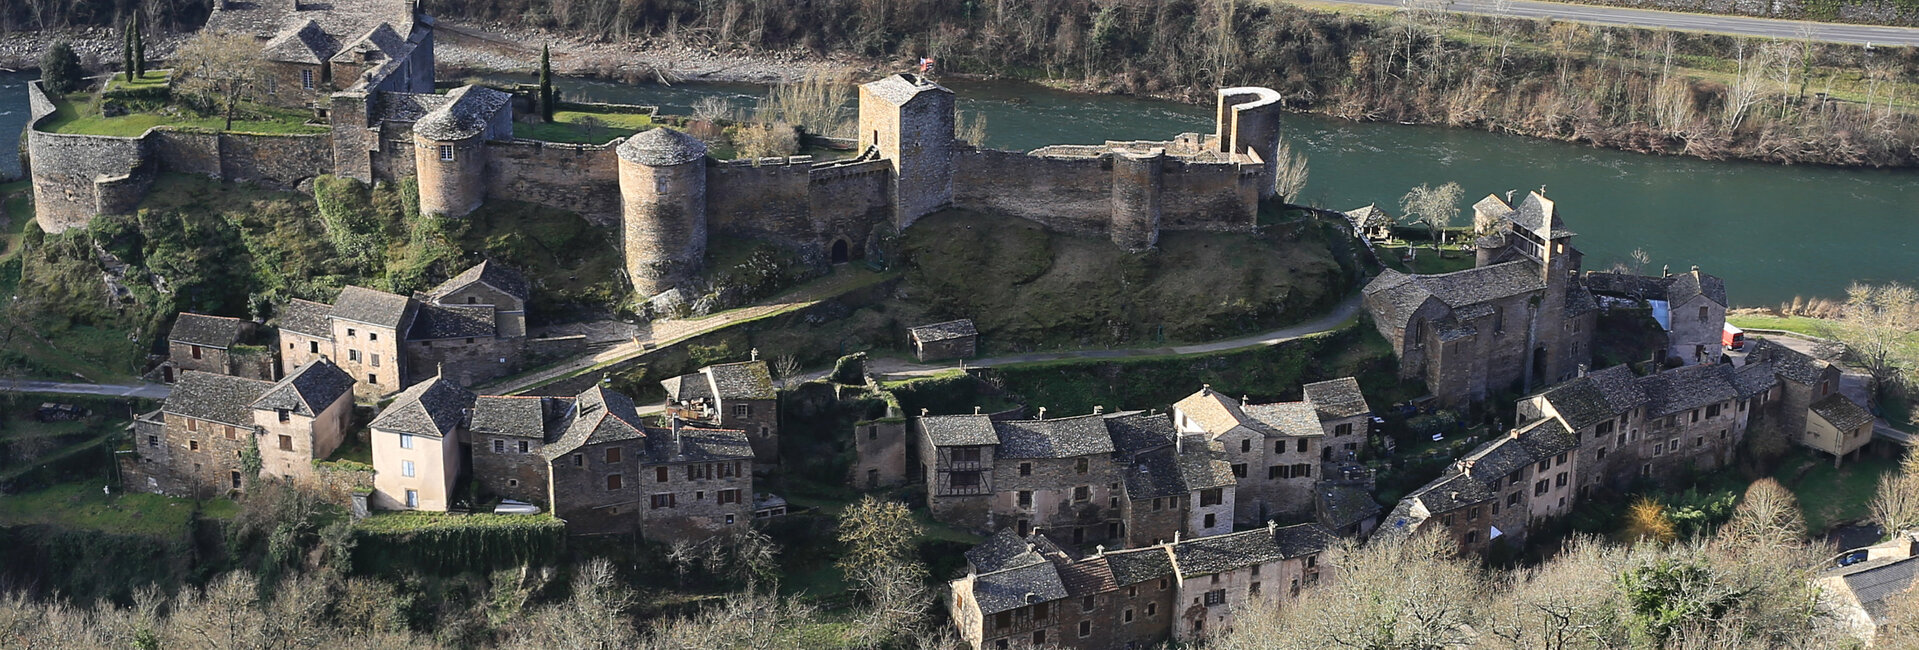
[1372,223]
[955,339]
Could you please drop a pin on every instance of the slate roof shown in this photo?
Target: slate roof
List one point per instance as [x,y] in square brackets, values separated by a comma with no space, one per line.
[523,416]
[1299,540]
[1599,396]
[490,273]
[1010,589]
[1579,300]
[308,390]
[1683,389]
[687,388]
[1873,582]
[301,43]
[959,430]
[1684,286]
[598,416]
[1087,577]
[464,115]
[371,306]
[1298,419]
[1337,398]
[1135,432]
[1754,378]
[1153,475]
[1000,551]
[207,331]
[662,147]
[1625,285]
[900,88]
[952,329]
[1370,217]
[1394,296]
[1546,438]
[1216,413]
[1787,362]
[1538,214]
[1055,438]
[1205,467]
[434,407]
[436,321]
[743,380]
[697,444]
[1220,553]
[1841,412]
[1345,505]
[1131,567]
[381,40]
[408,107]
[342,18]
[219,398]
[306,317]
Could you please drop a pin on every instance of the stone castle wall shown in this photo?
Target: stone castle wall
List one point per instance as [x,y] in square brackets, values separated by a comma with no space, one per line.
[765,199]
[78,176]
[581,178]
[1073,195]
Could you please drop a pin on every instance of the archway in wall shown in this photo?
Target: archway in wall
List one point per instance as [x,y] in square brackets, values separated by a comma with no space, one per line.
[839,255]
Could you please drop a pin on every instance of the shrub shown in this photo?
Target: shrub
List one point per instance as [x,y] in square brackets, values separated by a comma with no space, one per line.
[60,69]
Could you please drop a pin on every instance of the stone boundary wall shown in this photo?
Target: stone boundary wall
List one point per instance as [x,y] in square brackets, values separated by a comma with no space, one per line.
[849,201]
[1209,196]
[767,198]
[77,176]
[1075,194]
[583,178]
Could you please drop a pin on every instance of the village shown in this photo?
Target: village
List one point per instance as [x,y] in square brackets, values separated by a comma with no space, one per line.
[1511,373]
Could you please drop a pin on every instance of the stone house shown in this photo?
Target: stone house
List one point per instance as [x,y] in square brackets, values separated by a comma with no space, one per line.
[1857,594]
[214,344]
[1174,485]
[1496,491]
[956,339]
[467,330]
[509,434]
[1343,415]
[1804,380]
[879,448]
[1517,320]
[1274,450]
[311,50]
[195,443]
[1021,591]
[956,455]
[1837,426]
[609,473]
[419,447]
[1371,223]
[737,396]
[1691,307]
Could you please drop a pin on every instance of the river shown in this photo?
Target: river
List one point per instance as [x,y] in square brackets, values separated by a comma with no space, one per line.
[1773,232]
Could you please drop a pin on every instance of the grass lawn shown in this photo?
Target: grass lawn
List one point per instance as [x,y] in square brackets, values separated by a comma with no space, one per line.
[84,507]
[79,113]
[148,80]
[1425,260]
[83,351]
[577,127]
[1799,324]
[1831,497]
[16,205]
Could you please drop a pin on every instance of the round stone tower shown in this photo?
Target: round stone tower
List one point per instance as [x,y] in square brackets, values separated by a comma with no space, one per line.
[452,172]
[662,208]
[1248,122]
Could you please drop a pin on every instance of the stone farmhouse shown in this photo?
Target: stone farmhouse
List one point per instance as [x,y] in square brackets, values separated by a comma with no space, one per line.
[366,67]
[468,329]
[1605,429]
[738,396]
[213,344]
[1136,478]
[955,339]
[590,459]
[195,443]
[1028,592]
[1522,318]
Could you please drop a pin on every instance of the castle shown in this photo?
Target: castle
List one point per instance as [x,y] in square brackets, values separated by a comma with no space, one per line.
[365,67]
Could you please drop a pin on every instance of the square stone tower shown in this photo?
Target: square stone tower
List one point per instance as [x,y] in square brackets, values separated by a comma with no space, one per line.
[910,119]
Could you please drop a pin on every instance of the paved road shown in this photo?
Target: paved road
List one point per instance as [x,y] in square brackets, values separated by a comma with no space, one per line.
[896,368]
[1742,25]
[149,391]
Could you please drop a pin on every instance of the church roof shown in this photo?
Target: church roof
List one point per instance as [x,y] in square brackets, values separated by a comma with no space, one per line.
[1394,297]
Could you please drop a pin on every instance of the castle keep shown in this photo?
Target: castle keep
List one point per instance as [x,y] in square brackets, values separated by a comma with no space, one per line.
[365,67]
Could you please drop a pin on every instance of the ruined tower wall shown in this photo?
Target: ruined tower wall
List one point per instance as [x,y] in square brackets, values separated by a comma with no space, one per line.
[1137,180]
[582,178]
[663,223]
[1248,122]
[1209,196]
[454,187]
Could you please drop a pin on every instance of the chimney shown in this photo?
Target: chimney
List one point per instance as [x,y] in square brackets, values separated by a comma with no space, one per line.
[1582,370]
[1665,270]
[1206,389]
[1695,268]
[975,410]
[1509,196]
[1042,413]
[755,354]
[925,411]
[673,433]
[1175,537]
[1244,399]
[1098,409]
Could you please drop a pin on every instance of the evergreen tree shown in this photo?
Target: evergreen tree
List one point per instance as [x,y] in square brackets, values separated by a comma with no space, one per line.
[139,46]
[546,83]
[60,69]
[126,51]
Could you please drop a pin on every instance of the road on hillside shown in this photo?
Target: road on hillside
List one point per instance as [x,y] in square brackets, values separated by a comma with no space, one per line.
[1741,25]
[149,391]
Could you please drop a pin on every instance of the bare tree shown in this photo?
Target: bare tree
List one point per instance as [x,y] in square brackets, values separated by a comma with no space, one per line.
[220,69]
[712,109]
[1436,208]
[1877,330]
[1768,515]
[1290,179]
[1749,81]
[971,128]
[594,617]
[1391,593]
[786,367]
[1896,506]
[878,562]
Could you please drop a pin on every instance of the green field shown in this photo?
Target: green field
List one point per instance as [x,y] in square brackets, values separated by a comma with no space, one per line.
[585,127]
[80,114]
[1832,496]
[85,507]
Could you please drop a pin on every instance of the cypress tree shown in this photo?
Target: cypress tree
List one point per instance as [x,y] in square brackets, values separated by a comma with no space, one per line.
[546,83]
[126,50]
[139,46]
